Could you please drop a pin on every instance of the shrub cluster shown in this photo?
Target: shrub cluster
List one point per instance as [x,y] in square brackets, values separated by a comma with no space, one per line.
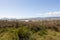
[31,30]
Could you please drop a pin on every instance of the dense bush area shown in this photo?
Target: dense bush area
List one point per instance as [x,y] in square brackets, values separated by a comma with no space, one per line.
[32,30]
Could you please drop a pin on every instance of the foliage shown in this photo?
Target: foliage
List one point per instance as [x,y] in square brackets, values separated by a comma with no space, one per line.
[32,30]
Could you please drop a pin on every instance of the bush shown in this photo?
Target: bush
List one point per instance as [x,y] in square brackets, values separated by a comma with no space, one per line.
[23,33]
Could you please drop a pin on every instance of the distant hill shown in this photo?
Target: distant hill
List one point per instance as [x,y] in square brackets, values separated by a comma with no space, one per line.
[37,18]
[44,18]
[8,18]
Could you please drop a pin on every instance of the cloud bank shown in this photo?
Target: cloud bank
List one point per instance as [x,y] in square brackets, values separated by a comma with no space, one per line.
[46,14]
[49,14]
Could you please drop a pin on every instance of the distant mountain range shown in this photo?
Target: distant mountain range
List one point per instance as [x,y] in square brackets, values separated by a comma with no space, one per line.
[37,18]
[43,18]
[46,18]
[8,18]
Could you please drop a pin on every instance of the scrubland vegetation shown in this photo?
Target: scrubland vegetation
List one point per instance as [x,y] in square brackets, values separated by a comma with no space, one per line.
[32,30]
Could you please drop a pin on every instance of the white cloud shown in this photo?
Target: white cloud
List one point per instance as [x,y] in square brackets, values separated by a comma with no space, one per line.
[9,17]
[49,14]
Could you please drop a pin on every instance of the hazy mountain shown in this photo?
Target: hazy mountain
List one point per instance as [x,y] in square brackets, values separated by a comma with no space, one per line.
[4,18]
[37,18]
[45,18]
[8,18]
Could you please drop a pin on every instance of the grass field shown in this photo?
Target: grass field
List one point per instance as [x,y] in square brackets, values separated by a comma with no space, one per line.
[37,30]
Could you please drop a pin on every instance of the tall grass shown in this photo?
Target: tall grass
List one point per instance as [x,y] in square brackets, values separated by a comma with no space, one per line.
[38,30]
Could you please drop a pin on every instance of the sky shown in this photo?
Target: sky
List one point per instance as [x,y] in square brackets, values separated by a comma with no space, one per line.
[29,8]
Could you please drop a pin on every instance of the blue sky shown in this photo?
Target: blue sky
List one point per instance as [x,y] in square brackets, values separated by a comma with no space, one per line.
[29,8]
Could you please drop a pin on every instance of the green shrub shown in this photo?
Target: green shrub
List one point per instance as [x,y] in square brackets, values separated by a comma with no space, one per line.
[23,33]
